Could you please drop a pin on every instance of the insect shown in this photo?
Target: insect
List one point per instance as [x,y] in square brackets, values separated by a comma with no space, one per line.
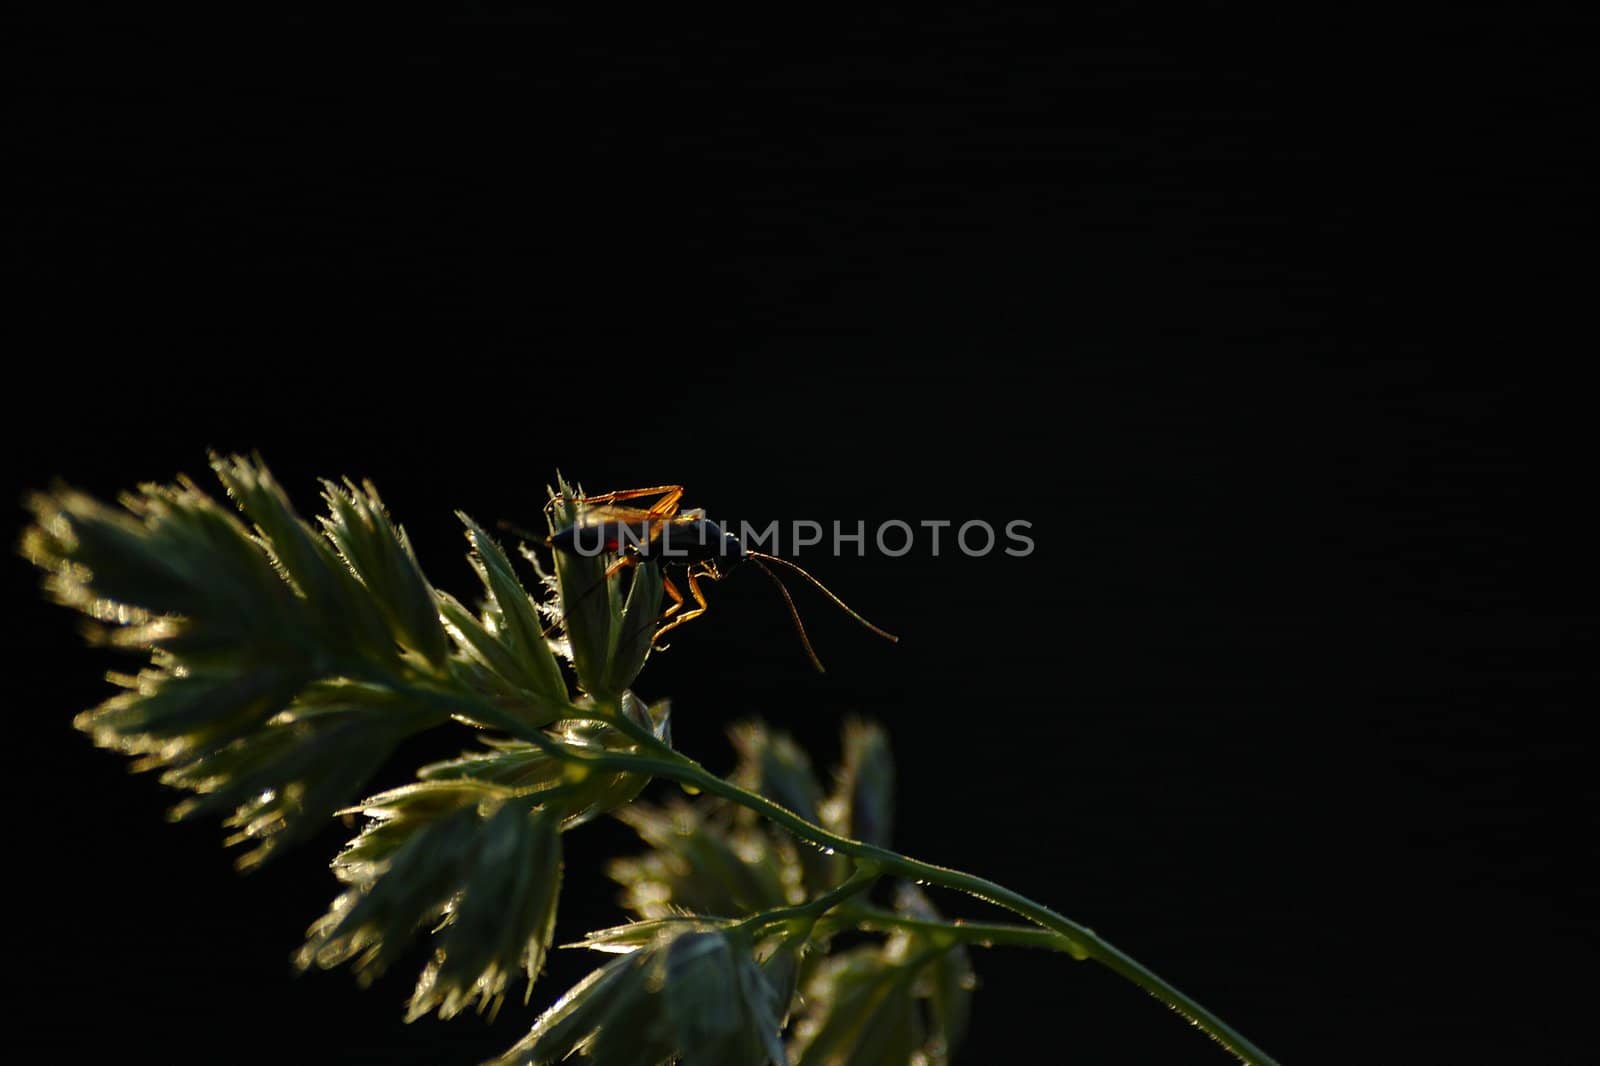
[678,540]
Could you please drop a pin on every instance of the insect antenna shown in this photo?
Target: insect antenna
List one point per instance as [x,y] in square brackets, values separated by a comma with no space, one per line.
[518,531]
[845,607]
[794,613]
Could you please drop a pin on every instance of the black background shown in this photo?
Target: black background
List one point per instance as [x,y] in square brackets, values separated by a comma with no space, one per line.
[1271,327]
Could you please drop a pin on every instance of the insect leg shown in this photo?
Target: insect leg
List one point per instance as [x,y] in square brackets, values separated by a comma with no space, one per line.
[671,590]
[699,599]
[665,507]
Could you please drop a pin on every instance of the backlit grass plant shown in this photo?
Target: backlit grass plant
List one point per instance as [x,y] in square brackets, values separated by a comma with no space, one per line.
[285,663]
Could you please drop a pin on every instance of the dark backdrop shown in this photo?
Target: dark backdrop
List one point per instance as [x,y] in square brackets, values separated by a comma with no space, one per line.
[1260,322]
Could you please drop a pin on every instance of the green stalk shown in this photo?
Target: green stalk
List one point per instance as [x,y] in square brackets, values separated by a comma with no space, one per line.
[860,879]
[1079,941]
[979,934]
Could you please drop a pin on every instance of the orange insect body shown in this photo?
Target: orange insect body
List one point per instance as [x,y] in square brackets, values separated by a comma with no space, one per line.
[670,537]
